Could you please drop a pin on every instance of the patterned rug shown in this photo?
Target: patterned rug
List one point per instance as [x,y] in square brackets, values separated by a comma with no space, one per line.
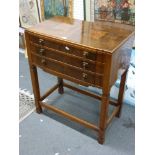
[26,104]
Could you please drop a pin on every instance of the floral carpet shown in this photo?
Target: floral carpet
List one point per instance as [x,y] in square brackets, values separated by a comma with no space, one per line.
[26,104]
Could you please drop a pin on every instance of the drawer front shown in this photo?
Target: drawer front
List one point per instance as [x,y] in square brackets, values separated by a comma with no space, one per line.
[93,79]
[45,63]
[80,52]
[67,58]
[80,75]
[47,53]
[85,65]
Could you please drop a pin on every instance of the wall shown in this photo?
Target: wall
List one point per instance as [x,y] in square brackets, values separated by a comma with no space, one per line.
[78,10]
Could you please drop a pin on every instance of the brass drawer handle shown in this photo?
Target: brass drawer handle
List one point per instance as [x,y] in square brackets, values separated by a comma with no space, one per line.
[41,51]
[85,64]
[67,48]
[43,61]
[85,54]
[84,75]
[41,41]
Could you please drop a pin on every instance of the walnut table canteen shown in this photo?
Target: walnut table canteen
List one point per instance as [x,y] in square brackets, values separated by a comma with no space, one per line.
[86,53]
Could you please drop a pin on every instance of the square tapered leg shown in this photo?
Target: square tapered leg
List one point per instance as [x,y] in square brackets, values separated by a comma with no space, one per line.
[121,92]
[36,89]
[60,87]
[103,118]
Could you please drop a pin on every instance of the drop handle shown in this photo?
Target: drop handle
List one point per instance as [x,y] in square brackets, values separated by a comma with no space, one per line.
[85,54]
[43,61]
[41,41]
[67,48]
[41,51]
[84,75]
[85,64]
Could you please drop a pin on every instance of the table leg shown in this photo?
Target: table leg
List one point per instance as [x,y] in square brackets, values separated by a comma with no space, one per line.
[36,89]
[60,88]
[103,118]
[121,92]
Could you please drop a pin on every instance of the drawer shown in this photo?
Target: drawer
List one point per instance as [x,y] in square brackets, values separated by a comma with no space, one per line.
[45,63]
[47,53]
[85,54]
[67,58]
[80,75]
[93,79]
[80,52]
[84,64]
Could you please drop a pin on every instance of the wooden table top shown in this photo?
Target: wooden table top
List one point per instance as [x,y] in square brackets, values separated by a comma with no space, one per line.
[104,36]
